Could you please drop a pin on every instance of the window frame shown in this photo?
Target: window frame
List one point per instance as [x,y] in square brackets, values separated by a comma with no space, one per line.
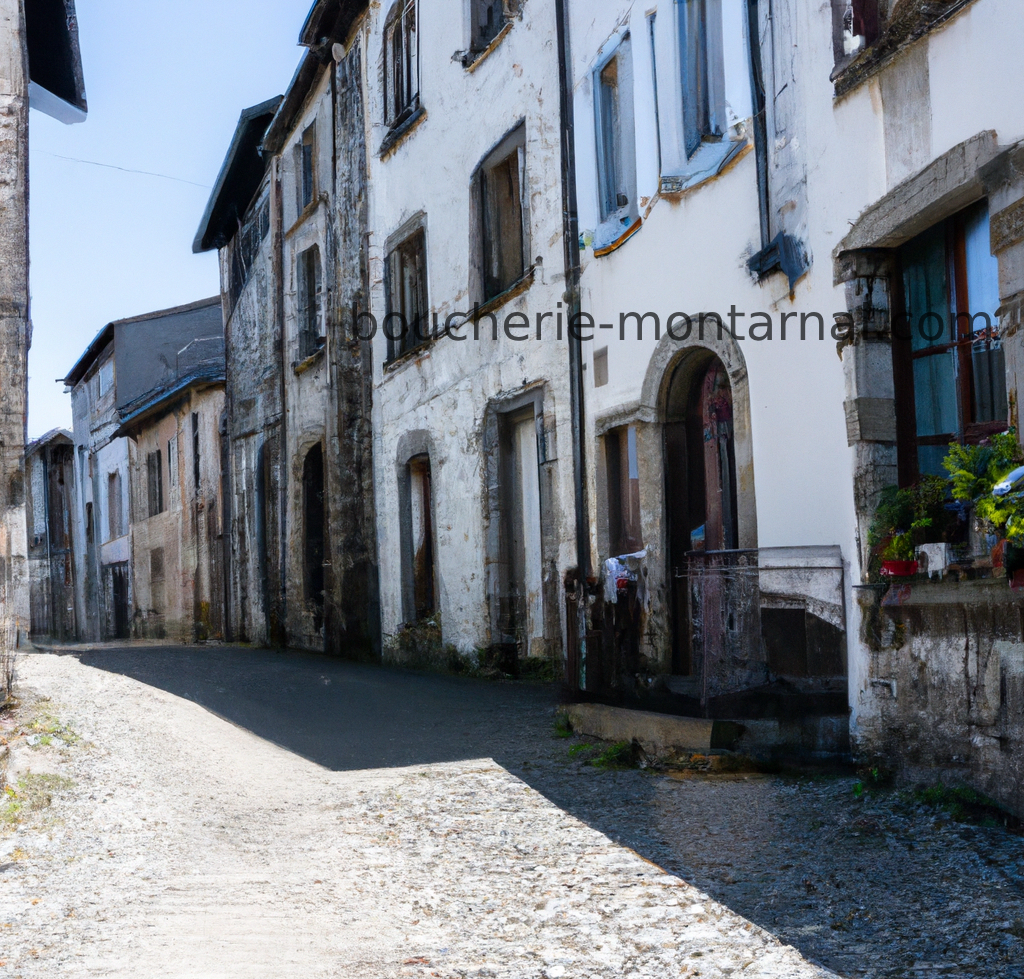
[615,138]
[306,166]
[154,483]
[309,302]
[494,278]
[412,336]
[622,481]
[959,344]
[401,60]
[702,73]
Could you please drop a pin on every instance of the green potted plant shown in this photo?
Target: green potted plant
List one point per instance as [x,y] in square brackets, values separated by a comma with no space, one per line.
[904,519]
[978,477]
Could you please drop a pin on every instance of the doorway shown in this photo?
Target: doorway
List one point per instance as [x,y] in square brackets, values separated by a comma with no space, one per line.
[119,621]
[523,603]
[314,517]
[700,481]
[421,515]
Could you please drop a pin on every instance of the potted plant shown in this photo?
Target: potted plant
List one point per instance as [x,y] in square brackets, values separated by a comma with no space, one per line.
[905,519]
[898,556]
[981,477]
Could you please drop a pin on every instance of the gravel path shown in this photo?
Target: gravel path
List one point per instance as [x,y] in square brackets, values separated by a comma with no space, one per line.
[187,846]
[416,825]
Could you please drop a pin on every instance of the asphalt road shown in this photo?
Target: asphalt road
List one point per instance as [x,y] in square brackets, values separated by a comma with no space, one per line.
[346,716]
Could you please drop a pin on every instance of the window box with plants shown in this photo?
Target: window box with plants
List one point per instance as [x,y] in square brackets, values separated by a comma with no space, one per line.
[987,482]
[906,519]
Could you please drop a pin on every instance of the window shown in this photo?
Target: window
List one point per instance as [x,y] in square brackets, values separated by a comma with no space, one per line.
[88,523]
[855,26]
[309,286]
[406,324]
[489,17]
[172,466]
[307,168]
[195,452]
[947,357]
[500,180]
[401,64]
[106,374]
[154,483]
[702,62]
[616,151]
[623,473]
[115,521]
[601,367]
[245,247]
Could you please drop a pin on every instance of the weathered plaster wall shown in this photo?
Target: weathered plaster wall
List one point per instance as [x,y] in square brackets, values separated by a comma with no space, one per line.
[15,329]
[254,407]
[186,600]
[690,256]
[446,388]
[947,667]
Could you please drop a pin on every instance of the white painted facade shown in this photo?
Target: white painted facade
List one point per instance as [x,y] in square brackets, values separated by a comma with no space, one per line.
[443,400]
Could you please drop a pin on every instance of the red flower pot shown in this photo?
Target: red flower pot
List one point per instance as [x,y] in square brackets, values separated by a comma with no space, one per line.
[899,569]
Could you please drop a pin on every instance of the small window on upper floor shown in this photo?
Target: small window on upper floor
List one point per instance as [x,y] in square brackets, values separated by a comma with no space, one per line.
[616,146]
[406,324]
[700,59]
[306,152]
[502,207]
[703,72]
[489,17]
[309,302]
[154,483]
[401,64]
[106,375]
[855,26]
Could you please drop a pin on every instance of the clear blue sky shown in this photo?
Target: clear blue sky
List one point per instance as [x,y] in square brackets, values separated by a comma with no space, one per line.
[165,84]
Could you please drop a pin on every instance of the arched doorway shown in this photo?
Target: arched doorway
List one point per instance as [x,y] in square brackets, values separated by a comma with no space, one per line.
[313,523]
[700,480]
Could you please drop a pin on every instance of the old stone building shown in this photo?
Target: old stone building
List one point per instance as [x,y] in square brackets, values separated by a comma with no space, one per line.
[40,67]
[288,214]
[135,374]
[175,460]
[931,265]
[49,512]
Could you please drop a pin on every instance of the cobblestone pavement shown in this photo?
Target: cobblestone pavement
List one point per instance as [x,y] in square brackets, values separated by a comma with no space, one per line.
[381,840]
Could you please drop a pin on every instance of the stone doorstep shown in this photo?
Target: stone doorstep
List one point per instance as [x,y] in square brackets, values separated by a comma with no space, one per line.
[657,734]
[664,735]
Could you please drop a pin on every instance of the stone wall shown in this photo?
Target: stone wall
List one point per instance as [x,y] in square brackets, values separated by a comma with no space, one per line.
[947,668]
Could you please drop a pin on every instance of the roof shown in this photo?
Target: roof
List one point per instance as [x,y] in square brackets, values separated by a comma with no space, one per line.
[330,20]
[56,84]
[53,435]
[239,178]
[106,335]
[157,402]
[299,88]
[327,22]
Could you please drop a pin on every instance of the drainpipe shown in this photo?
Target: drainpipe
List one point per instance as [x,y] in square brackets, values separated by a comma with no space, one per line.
[571,246]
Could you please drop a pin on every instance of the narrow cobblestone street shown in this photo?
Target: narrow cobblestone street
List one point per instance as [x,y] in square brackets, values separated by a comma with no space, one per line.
[313,818]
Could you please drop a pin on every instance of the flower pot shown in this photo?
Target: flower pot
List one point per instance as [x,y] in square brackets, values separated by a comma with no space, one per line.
[899,569]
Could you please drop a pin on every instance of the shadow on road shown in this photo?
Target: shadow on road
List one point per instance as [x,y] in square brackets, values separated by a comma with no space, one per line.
[342,715]
[855,885]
